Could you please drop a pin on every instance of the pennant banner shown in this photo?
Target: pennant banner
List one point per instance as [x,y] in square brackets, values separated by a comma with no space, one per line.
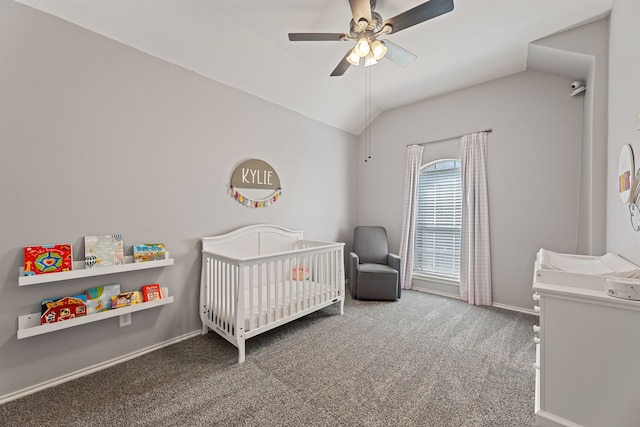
[253,203]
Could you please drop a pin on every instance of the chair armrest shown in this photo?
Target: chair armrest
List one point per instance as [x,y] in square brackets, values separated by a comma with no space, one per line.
[394,262]
[354,260]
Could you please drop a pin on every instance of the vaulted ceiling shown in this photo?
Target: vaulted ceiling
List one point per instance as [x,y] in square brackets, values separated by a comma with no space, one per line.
[244,44]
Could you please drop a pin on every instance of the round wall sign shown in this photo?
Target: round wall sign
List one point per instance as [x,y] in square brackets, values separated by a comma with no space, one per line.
[255,184]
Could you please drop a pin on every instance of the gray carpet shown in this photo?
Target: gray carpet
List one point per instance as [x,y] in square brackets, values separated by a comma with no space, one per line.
[424,360]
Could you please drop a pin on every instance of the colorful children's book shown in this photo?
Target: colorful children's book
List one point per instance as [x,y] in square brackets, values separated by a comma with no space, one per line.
[148,252]
[103,251]
[99,298]
[125,299]
[151,292]
[41,259]
[59,309]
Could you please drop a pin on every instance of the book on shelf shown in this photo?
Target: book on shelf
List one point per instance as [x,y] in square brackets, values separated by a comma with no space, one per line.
[99,298]
[60,309]
[103,251]
[126,299]
[148,252]
[151,292]
[43,259]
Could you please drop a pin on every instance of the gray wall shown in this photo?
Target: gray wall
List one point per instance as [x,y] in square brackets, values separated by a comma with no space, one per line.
[534,154]
[624,107]
[582,54]
[99,138]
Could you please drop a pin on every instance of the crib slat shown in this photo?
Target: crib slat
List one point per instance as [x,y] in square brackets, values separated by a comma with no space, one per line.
[260,298]
[217,294]
[233,305]
[276,289]
[227,293]
[310,285]
[286,272]
[253,290]
[279,279]
[245,283]
[300,290]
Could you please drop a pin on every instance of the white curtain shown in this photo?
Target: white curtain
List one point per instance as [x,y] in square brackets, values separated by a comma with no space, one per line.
[475,251]
[409,208]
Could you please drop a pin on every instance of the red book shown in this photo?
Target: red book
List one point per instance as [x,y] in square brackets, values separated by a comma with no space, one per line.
[151,292]
[59,309]
[41,259]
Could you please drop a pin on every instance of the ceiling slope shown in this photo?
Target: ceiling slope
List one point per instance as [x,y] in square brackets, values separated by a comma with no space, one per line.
[244,44]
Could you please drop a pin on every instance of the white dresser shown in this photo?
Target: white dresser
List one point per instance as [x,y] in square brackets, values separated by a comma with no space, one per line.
[588,352]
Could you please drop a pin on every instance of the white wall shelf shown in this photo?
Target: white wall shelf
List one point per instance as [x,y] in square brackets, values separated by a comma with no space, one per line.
[79,271]
[29,324]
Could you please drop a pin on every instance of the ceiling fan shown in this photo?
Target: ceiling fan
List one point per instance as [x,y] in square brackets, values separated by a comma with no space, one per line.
[367,26]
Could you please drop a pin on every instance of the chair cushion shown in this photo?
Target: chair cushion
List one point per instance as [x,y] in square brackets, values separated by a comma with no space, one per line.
[370,243]
[376,268]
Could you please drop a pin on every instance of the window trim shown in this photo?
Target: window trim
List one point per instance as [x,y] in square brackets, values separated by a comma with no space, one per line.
[437,278]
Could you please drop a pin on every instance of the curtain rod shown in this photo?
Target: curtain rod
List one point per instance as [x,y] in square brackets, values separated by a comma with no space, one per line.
[453,137]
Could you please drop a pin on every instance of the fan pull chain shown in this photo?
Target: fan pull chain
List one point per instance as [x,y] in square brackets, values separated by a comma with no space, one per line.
[367,109]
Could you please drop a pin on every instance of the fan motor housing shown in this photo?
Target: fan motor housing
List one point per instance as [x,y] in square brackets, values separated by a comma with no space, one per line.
[374,26]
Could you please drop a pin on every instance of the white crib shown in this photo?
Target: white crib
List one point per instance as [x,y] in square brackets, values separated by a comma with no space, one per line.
[262,276]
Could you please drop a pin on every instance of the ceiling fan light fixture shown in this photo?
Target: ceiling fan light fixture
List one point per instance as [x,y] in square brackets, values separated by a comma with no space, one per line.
[367,25]
[362,48]
[378,49]
[353,58]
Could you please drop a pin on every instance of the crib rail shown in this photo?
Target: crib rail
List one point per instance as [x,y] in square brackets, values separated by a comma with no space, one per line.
[241,298]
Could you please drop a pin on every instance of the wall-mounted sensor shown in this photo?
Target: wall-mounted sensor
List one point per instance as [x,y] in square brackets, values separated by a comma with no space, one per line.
[578,87]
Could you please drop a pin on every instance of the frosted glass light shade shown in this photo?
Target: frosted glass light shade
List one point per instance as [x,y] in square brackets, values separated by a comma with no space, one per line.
[379,49]
[353,58]
[362,48]
[370,60]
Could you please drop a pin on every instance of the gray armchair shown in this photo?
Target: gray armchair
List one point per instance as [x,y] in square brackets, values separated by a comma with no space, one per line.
[374,273]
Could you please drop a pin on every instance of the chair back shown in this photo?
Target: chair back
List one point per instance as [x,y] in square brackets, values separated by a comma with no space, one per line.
[370,244]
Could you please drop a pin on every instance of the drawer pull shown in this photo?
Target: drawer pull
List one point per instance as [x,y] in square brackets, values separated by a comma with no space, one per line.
[536,328]
[536,297]
[536,340]
[536,308]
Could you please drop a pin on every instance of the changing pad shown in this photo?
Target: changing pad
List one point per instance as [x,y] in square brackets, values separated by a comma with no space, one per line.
[605,265]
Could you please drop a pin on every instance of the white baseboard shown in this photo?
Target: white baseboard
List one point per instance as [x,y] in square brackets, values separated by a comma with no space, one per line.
[514,308]
[498,305]
[545,419]
[95,368]
[434,292]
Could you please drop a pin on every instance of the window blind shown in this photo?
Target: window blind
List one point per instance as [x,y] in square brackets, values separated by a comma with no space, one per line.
[437,240]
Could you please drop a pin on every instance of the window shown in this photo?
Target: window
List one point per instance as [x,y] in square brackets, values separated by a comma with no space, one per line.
[437,242]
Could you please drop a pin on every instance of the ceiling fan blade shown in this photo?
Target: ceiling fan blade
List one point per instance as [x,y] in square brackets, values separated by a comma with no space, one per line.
[342,67]
[399,55]
[360,9]
[418,14]
[317,37]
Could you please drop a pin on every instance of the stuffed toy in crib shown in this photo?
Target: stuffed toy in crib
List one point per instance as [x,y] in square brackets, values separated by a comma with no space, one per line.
[299,273]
